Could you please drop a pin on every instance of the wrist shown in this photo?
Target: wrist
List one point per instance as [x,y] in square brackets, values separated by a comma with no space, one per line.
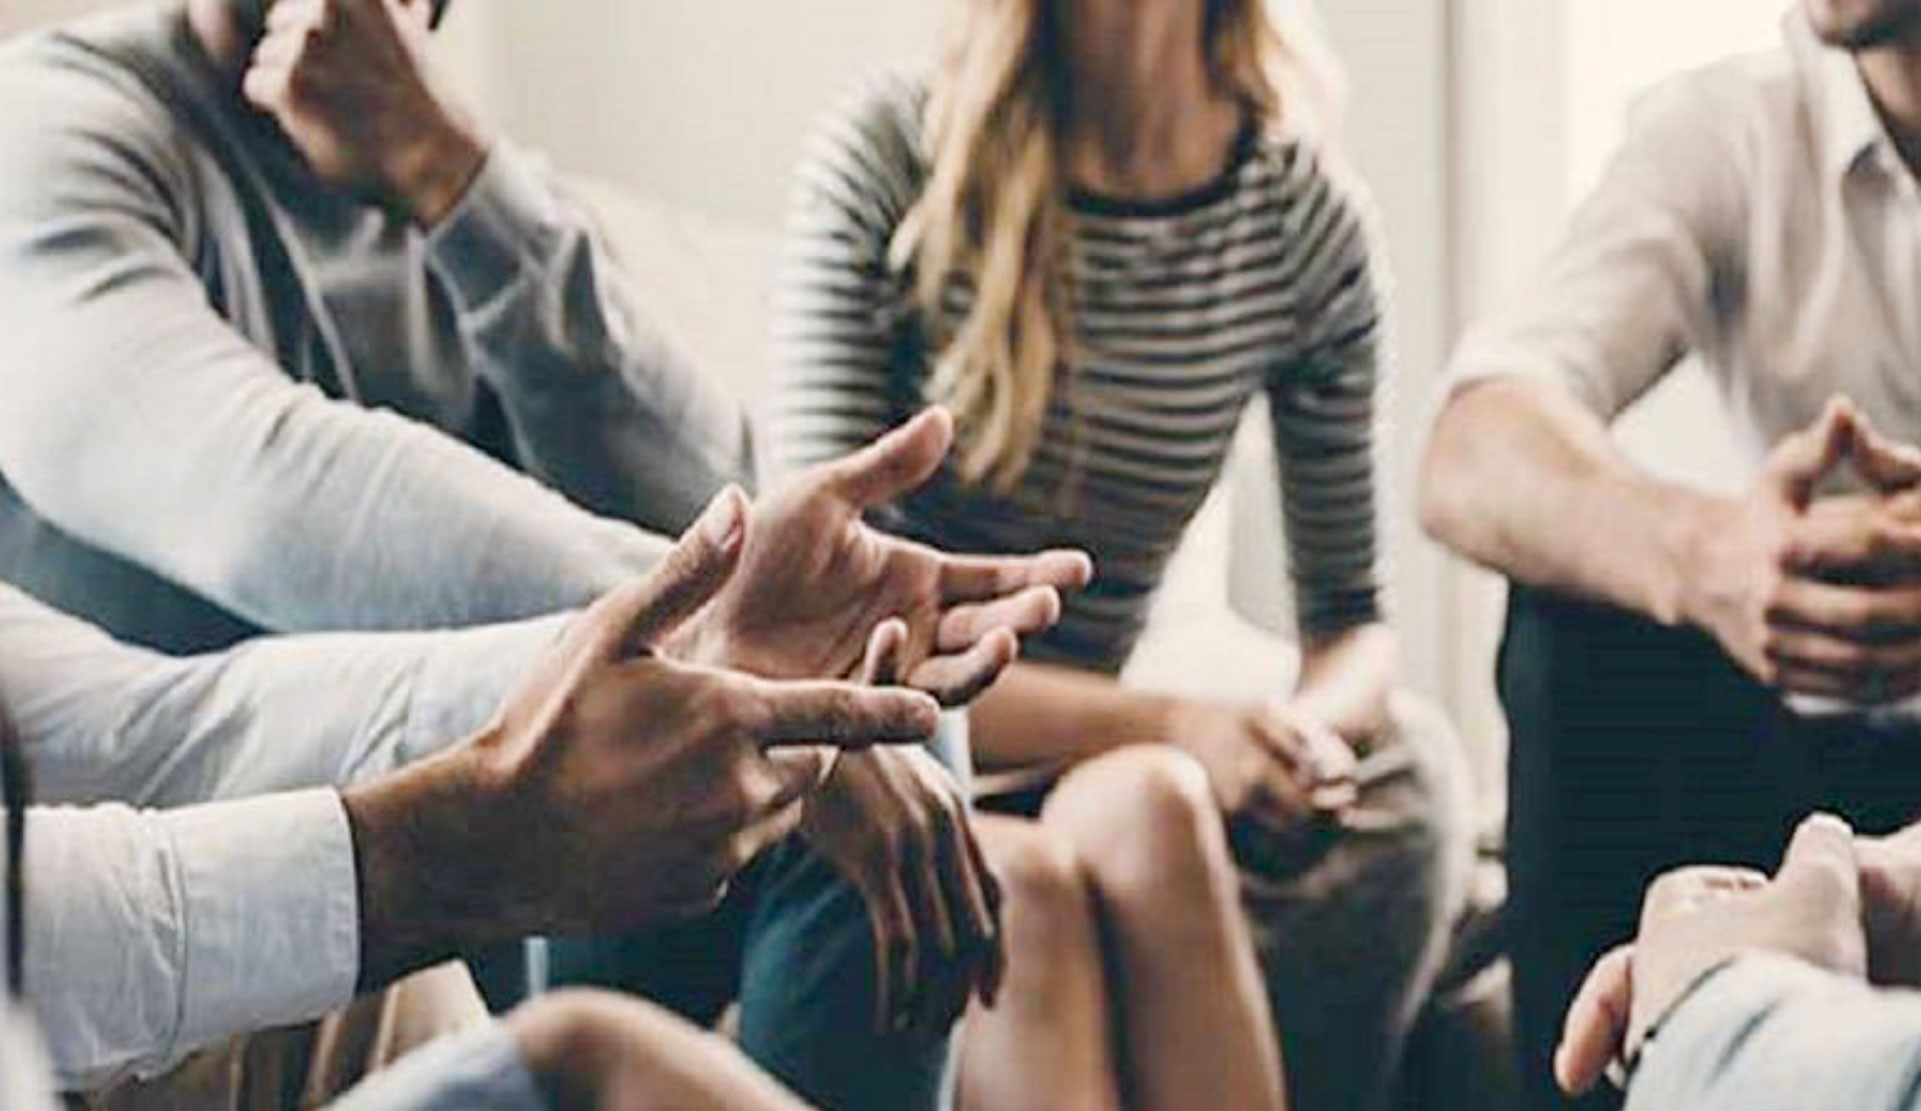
[1700,578]
[429,175]
[420,849]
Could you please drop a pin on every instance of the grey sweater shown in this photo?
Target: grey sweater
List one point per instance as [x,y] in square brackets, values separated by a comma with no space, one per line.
[234,399]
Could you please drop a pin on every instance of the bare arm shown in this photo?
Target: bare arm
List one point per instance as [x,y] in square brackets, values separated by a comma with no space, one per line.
[1524,480]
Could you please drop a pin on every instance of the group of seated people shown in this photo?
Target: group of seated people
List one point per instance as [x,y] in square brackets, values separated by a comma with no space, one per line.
[389,609]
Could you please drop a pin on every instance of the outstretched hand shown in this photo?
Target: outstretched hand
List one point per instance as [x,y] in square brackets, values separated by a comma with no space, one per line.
[815,581]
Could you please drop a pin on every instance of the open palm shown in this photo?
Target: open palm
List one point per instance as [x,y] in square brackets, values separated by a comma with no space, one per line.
[815,580]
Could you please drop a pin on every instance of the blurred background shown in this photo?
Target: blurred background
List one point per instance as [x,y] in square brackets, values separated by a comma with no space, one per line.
[1475,122]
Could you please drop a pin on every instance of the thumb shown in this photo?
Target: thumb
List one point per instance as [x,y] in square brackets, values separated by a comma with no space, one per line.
[896,463]
[1799,462]
[1820,863]
[633,618]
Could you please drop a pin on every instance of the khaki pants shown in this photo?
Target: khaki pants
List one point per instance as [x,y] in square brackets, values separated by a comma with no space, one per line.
[306,1066]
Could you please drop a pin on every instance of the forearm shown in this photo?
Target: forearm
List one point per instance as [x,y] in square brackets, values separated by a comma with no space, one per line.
[429,868]
[1768,1032]
[1346,680]
[1042,713]
[1522,480]
[107,721]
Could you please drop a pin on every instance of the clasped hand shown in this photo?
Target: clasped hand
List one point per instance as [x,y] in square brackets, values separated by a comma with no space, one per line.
[1816,595]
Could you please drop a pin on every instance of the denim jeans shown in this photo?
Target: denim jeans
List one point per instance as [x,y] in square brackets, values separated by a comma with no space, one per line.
[792,945]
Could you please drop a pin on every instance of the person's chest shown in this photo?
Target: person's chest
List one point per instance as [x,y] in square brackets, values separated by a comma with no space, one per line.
[337,293]
[1825,300]
[1174,326]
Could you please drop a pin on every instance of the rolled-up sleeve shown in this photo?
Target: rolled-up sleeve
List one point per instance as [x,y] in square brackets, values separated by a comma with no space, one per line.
[1629,287]
[154,933]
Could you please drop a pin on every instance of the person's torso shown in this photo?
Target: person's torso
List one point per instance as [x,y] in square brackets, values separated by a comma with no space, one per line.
[334,291]
[1820,292]
[1182,311]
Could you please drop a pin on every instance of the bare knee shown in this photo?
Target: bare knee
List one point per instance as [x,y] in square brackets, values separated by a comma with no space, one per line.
[1145,823]
[1045,887]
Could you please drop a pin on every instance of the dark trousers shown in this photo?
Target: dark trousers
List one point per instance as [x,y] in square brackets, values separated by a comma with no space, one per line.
[1635,749]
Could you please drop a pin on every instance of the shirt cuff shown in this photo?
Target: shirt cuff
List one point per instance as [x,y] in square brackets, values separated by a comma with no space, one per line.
[271,913]
[467,676]
[1484,356]
[499,232]
[480,1070]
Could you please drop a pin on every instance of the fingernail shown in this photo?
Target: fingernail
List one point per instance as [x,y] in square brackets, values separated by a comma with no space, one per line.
[723,523]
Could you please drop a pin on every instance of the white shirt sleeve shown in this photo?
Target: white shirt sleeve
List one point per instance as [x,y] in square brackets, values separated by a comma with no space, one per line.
[154,933]
[100,720]
[1629,288]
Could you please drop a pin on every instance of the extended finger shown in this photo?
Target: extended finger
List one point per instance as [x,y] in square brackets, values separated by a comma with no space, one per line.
[842,715]
[895,464]
[885,650]
[1597,1023]
[282,14]
[638,615]
[958,680]
[983,578]
[972,878]
[893,927]
[1028,611]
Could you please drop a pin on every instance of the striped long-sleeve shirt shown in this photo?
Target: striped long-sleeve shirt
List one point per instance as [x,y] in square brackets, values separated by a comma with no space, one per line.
[1182,310]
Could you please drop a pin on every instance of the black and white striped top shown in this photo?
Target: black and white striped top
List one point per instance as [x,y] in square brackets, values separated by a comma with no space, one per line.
[1182,309]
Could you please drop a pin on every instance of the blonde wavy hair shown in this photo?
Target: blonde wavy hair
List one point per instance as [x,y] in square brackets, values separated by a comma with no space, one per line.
[993,214]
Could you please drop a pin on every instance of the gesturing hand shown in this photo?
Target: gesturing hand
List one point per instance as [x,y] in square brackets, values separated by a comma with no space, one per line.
[616,788]
[895,823]
[1693,920]
[350,85]
[815,581]
[1267,763]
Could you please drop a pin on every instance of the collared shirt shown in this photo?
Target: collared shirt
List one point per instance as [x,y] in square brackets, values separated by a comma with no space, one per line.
[1758,217]
[189,866]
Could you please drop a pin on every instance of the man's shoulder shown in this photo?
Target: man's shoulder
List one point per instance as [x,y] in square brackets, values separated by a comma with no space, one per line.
[1732,99]
[89,96]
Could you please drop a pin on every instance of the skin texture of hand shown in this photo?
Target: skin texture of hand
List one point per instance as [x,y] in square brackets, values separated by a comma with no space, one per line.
[895,823]
[350,85]
[1891,906]
[815,581]
[594,1049]
[1272,764]
[616,789]
[1822,597]
[1696,919]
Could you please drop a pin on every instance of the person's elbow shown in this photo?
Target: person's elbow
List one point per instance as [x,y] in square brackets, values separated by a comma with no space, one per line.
[1450,482]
